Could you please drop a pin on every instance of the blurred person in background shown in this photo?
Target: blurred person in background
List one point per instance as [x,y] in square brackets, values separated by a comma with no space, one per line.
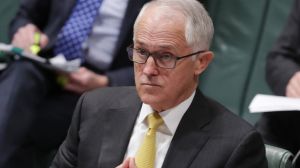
[283,76]
[36,109]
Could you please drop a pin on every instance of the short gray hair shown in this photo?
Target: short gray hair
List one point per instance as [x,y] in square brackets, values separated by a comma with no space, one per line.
[199,28]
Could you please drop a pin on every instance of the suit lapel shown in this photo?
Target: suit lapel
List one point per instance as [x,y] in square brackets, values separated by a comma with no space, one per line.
[118,126]
[190,136]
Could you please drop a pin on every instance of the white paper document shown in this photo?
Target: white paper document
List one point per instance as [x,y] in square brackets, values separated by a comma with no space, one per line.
[270,103]
[57,63]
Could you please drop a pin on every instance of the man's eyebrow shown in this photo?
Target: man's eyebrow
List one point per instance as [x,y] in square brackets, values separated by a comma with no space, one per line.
[166,47]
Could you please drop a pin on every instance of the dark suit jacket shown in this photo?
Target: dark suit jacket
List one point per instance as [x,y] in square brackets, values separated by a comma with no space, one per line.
[283,62]
[50,16]
[284,58]
[208,135]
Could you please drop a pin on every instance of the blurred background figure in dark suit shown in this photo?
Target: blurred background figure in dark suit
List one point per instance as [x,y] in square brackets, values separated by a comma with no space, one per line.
[283,76]
[36,109]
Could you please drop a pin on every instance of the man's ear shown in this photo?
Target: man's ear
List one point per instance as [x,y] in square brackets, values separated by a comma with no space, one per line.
[202,61]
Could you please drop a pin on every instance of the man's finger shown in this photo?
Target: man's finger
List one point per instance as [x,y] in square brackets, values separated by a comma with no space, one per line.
[44,40]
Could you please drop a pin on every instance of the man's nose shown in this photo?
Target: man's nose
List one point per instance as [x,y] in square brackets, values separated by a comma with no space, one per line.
[150,67]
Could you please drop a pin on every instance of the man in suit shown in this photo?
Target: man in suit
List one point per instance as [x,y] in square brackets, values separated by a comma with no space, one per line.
[35,110]
[114,126]
[283,76]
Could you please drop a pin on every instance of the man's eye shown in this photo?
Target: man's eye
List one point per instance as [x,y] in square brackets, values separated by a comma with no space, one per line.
[142,51]
[165,57]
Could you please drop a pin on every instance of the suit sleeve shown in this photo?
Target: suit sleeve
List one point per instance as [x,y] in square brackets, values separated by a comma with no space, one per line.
[66,156]
[249,153]
[30,11]
[283,60]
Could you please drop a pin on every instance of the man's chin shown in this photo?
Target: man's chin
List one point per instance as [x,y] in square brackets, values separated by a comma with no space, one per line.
[149,98]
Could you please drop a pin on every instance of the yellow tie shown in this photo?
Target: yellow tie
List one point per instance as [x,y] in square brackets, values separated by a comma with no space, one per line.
[145,155]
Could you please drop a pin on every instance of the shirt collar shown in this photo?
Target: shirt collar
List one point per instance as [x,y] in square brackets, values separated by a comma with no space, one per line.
[171,116]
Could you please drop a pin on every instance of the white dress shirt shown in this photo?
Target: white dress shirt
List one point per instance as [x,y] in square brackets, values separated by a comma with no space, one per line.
[164,133]
[102,41]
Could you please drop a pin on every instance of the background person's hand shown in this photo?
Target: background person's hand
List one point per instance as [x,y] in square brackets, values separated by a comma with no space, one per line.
[84,80]
[293,87]
[128,163]
[24,37]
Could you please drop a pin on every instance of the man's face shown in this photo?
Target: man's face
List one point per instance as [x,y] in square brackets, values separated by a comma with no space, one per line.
[164,88]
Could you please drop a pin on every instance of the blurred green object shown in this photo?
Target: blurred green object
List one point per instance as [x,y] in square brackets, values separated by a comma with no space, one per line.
[35,48]
[61,80]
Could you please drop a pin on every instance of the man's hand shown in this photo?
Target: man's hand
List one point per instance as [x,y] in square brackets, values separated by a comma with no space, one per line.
[128,163]
[84,80]
[24,37]
[293,87]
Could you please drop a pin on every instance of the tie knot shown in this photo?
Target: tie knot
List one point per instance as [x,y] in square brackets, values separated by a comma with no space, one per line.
[154,120]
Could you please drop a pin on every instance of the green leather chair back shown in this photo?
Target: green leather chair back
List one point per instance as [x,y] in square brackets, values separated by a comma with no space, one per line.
[244,33]
[278,157]
[8,9]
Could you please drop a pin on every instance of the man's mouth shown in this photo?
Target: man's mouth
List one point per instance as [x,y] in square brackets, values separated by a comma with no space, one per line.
[149,84]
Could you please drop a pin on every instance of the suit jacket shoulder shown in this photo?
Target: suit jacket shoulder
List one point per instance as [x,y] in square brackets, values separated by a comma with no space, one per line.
[211,136]
[100,130]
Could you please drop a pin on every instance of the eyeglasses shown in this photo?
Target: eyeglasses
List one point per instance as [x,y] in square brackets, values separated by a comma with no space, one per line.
[163,60]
